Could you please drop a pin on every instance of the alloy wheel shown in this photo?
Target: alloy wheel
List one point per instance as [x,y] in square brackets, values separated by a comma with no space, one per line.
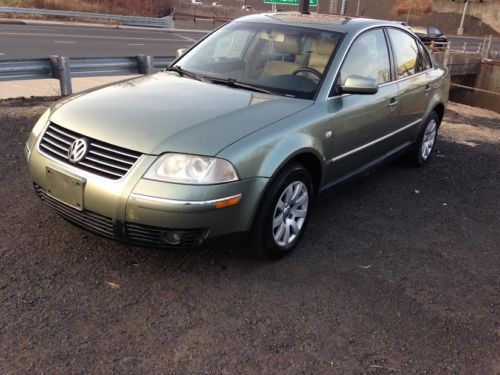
[290,213]
[429,139]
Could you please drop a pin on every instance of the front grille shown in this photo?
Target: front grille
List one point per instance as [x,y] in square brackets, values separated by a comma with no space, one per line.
[153,236]
[103,159]
[89,220]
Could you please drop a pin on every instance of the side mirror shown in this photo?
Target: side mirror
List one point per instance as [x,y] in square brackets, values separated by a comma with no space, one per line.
[180,52]
[359,85]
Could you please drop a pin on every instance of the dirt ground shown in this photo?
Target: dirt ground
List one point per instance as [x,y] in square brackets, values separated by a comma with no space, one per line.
[398,272]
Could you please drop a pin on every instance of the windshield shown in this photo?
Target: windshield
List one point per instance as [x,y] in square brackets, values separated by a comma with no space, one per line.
[282,59]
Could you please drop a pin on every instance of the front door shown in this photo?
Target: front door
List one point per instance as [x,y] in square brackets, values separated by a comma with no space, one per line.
[357,126]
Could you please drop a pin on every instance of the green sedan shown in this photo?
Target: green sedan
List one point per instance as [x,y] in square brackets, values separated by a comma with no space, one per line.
[238,137]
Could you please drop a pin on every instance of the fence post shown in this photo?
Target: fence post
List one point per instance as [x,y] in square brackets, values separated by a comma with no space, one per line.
[447,54]
[465,47]
[489,46]
[145,64]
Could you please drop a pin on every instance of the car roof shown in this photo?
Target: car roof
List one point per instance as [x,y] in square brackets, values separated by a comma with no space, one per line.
[329,22]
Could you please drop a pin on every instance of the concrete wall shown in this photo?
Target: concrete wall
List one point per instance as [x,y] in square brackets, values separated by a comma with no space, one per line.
[487,11]
[488,79]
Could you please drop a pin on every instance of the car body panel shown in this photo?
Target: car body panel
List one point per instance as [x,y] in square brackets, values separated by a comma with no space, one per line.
[166,120]
[222,222]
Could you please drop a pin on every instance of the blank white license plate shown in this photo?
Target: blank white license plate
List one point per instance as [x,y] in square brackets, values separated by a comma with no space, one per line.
[65,188]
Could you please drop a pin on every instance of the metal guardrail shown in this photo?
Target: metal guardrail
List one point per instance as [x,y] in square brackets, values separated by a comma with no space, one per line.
[165,22]
[64,68]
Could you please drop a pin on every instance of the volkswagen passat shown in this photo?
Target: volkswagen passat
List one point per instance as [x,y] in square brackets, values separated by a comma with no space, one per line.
[241,133]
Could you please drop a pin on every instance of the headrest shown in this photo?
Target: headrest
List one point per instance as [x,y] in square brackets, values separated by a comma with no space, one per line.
[289,45]
[323,47]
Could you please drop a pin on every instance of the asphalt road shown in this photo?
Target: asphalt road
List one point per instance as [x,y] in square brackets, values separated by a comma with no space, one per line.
[398,273]
[34,41]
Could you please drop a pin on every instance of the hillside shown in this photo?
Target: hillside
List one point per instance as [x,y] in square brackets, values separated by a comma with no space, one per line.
[154,8]
[382,9]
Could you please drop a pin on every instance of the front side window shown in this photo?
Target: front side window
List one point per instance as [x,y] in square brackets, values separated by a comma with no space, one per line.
[283,59]
[368,57]
[409,59]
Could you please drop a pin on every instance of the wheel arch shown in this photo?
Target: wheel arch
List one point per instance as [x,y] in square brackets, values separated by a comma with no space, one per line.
[439,108]
[308,157]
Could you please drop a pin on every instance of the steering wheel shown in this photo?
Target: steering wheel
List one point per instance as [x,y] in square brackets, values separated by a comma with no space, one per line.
[307,69]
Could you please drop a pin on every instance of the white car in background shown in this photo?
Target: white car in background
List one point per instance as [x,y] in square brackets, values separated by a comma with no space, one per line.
[216,4]
[196,2]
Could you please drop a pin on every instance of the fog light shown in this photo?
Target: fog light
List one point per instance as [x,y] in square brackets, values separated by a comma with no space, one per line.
[171,237]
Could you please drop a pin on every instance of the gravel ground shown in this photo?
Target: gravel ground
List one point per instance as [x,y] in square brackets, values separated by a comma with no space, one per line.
[398,273]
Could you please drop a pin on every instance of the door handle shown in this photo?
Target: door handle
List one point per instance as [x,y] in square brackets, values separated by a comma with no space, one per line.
[393,103]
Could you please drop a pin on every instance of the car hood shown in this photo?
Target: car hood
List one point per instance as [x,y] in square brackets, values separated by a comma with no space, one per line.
[168,113]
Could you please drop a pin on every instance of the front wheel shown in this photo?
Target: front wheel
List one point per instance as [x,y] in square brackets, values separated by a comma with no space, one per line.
[284,212]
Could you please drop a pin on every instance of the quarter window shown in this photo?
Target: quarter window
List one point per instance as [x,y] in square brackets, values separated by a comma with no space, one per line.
[425,60]
[409,59]
[368,57]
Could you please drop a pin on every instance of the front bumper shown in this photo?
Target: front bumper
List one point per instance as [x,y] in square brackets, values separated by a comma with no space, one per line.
[146,212]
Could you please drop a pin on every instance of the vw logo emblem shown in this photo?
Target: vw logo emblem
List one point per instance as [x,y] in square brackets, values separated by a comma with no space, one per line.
[78,150]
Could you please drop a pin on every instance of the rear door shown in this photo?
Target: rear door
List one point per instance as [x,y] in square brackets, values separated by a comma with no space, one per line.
[414,87]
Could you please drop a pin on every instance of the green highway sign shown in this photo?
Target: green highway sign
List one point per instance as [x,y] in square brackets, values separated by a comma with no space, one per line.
[312,3]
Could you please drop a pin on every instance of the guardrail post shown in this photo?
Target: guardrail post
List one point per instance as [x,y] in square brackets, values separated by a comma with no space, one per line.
[145,64]
[64,75]
[61,71]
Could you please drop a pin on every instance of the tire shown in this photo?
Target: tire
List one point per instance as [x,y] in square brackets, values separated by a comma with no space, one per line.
[283,213]
[423,149]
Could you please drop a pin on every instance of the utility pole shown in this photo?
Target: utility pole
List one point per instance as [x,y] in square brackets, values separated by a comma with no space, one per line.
[333,7]
[460,30]
[342,8]
[357,9]
[409,11]
[304,6]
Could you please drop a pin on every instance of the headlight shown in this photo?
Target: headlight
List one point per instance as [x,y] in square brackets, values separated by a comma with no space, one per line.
[40,124]
[37,129]
[191,169]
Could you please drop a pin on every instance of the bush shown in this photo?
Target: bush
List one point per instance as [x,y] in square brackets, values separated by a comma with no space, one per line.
[413,7]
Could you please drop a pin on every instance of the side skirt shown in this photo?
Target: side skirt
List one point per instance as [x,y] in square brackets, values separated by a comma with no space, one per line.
[360,171]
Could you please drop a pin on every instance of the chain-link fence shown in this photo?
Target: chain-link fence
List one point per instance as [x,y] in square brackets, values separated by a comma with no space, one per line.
[475,79]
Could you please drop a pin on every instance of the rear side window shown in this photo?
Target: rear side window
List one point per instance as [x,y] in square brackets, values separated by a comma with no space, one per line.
[425,59]
[408,56]
[368,57]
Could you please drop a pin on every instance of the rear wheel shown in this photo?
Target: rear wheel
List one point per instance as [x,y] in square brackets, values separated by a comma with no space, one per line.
[423,148]
[283,214]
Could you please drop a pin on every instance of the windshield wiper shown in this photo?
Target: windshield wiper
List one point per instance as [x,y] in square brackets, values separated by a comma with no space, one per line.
[182,72]
[231,82]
